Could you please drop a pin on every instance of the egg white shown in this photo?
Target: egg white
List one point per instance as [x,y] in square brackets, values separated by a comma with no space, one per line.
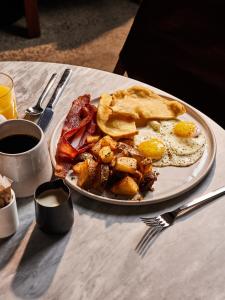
[180,145]
[172,159]
[180,152]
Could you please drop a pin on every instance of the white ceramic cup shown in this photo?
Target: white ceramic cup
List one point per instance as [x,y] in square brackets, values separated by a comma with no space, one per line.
[9,221]
[28,169]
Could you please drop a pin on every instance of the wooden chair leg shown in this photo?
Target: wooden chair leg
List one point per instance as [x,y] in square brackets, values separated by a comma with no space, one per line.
[119,68]
[32,18]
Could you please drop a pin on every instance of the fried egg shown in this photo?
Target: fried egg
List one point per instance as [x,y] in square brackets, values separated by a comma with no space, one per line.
[171,143]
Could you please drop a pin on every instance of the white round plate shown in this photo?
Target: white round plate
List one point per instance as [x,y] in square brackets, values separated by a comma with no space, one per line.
[172,181]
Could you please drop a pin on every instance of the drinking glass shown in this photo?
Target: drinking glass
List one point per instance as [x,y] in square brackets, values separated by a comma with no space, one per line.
[7,97]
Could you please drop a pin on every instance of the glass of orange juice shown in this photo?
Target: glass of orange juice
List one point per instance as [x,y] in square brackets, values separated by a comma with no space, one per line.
[7,97]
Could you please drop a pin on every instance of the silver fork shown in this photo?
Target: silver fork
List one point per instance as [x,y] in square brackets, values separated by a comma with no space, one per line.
[147,238]
[167,219]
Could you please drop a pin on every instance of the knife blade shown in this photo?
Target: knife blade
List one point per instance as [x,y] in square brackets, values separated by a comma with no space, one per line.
[47,115]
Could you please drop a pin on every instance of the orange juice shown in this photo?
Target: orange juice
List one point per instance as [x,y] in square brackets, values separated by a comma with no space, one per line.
[7,102]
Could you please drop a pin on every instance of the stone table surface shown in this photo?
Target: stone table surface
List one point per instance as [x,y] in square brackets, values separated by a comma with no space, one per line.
[97,259]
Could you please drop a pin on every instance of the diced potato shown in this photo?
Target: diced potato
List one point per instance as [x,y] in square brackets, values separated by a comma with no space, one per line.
[101,176]
[126,186]
[129,150]
[85,172]
[81,169]
[84,156]
[106,154]
[92,166]
[96,148]
[126,164]
[105,141]
[146,165]
[77,168]
[93,139]
[108,141]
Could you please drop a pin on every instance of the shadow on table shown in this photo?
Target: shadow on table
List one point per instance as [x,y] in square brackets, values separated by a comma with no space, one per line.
[9,245]
[122,214]
[38,265]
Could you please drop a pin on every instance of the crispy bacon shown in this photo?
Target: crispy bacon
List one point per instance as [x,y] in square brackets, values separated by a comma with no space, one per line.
[73,117]
[80,121]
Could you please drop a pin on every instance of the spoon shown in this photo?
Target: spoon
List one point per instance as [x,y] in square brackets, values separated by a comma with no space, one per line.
[37,109]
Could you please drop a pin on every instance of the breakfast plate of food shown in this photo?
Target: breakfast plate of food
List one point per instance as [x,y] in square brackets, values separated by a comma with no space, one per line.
[132,147]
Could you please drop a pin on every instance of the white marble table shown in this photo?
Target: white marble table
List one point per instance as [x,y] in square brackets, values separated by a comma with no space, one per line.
[97,260]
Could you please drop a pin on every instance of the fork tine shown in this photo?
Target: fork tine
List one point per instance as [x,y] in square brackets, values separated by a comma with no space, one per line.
[143,239]
[156,222]
[149,236]
[147,218]
[152,222]
[150,241]
[155,219]
[154,225]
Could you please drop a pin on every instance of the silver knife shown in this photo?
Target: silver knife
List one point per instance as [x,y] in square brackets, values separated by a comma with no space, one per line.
[47,115]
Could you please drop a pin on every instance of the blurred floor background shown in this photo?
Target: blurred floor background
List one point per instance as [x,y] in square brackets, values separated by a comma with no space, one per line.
[88,33]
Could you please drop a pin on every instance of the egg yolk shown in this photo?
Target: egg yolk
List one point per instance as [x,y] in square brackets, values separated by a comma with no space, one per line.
[153,148]
[185,129]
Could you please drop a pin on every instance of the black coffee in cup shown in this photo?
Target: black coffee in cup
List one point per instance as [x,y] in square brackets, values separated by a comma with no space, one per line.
[17,143]
[24,156]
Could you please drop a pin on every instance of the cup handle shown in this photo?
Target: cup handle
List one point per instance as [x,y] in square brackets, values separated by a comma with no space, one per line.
[2,119]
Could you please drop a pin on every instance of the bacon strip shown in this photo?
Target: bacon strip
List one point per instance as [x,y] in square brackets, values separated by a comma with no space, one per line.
[80,121]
